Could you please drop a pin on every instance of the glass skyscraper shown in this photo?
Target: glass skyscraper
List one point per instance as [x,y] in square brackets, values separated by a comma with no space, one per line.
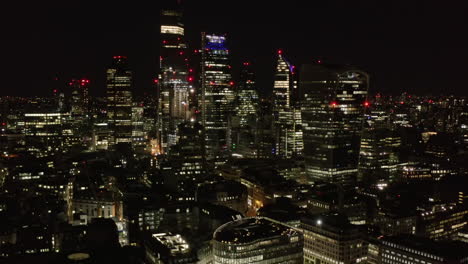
[287,115]
[243,122]
[217,95]
[79,102]
[334,99]
[174,80]
[247,95]
[119,101]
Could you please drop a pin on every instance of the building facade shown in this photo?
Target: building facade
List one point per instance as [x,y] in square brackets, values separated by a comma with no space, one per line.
[174,80]
[256,240]
[217,95]
[286,113]
[330,238]
[119,101]
[334,99]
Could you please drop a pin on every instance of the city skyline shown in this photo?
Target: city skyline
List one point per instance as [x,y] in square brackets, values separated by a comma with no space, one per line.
[234,133]
[398,45]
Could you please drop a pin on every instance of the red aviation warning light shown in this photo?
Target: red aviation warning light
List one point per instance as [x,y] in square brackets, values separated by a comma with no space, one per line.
[280,52]
[366,104]
[190,78]
[156,81]
[84,82]
[231,83]
[334,104]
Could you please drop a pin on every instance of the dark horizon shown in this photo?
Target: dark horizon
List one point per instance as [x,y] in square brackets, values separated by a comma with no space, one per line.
[418,48]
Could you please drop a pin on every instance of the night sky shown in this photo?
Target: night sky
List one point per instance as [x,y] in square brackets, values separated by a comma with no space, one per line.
[415,46]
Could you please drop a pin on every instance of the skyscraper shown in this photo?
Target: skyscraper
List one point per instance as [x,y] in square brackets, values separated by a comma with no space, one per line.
[264,132]
[282,85]
[119,101]
[186,161]
[243,121]
[247,95]
[174,76]
[287,115]
[333,113]
[378,161]
[79,97]
[217,94]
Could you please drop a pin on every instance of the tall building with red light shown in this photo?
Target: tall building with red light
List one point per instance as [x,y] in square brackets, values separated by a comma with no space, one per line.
[243,122]
[79,101]
[217,94]
[282,85]
[119,101]
[332,118]
[287,115]
[379,156]
[175,80]
[246,95]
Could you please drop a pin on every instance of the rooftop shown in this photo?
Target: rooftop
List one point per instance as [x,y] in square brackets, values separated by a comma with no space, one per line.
[250,229]
[175,243]
[450,250]
[333,222]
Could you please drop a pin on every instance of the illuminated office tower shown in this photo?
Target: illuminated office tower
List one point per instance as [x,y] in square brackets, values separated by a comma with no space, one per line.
[243,121]
[264,132]
[119,101]
[331,238]
[44,133]
[289,135]
[79,100]
[377,114]
[247,95]
[186,161]
[462,130]
[378,160]
[138,127]
[256,240]
[282,85]
[217,95]
[174,76]
[287,115]
[332,119]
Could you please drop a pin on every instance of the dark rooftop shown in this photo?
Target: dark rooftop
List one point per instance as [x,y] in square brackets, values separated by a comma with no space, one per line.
[332,222]
[250,229]
[450,250]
